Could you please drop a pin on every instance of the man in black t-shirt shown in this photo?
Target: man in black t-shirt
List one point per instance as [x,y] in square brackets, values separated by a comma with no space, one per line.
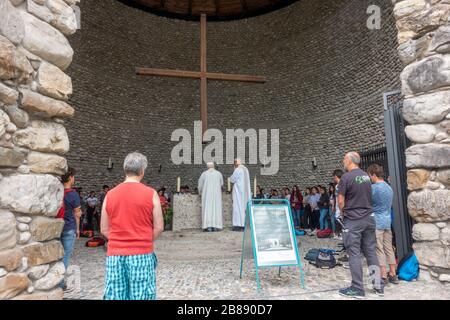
[355,203]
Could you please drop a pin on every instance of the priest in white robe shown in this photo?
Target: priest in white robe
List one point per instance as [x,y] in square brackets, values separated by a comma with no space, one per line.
[241,194]
[210,188]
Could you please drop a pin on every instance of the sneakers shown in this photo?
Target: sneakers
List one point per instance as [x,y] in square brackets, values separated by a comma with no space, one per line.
[343,259]
[379,292]
[393,279]
[351,292]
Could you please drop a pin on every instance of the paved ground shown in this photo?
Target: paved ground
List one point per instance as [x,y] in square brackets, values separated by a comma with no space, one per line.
[195,265]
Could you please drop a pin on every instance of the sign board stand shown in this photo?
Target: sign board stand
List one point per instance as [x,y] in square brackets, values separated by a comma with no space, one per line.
[269,234]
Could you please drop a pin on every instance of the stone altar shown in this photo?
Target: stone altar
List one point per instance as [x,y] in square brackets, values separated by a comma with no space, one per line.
[187,211]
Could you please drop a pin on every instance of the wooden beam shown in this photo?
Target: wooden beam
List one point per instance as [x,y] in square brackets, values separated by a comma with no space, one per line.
[163,3]
[190,7]
[244,7]
[199,75]
[168,73]
[203,81]
[235,77]
[217,6]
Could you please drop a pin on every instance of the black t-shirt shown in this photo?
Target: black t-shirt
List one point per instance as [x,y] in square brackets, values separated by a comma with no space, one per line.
[355,186]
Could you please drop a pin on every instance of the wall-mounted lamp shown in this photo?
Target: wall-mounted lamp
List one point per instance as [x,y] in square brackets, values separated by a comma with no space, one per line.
[314,163]
[110,164]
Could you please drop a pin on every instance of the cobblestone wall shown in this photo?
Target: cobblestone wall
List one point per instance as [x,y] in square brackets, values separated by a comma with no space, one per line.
[34,90]
[326,73]
[424,38]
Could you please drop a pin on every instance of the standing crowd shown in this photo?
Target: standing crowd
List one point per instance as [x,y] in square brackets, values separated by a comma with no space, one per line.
[130,217]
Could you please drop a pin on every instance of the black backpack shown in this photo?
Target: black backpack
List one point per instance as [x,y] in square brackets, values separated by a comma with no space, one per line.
[325,259]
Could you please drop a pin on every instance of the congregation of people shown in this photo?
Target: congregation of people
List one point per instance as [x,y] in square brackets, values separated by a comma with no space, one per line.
[356,207]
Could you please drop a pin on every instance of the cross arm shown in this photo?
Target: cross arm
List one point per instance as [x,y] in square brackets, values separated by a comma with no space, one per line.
[199,75]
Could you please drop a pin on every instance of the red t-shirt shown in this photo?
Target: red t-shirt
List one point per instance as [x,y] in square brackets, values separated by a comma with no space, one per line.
[130,212]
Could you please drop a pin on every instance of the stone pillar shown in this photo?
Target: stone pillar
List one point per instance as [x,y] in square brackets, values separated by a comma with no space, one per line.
[34,90]
[424,38]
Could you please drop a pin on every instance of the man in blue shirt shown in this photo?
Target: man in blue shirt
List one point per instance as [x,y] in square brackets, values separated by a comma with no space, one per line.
[72,214]
[382,195]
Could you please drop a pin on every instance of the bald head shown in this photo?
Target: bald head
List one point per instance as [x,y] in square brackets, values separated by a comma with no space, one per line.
[352,160]
[237,162]
[210,165]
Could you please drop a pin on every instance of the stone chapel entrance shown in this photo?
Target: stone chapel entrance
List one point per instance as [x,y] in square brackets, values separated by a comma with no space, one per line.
[327,65]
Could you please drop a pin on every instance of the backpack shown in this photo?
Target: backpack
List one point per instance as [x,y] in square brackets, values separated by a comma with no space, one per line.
[326,233]
[61,211]
[408,268]
[325,259]
[312,255]
[95,242]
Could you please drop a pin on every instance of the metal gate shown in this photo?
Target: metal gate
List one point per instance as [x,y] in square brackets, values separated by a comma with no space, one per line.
[396,144]
[377,154]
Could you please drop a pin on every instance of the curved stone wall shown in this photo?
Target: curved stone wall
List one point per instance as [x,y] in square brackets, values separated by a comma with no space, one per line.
[326,74]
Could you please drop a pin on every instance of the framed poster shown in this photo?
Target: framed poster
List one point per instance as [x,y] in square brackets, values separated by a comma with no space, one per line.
[273,235]
[269,237]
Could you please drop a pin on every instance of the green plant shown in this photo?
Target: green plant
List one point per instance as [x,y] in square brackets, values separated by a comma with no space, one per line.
[168,216]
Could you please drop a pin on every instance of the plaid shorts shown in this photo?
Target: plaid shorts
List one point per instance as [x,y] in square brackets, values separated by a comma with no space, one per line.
[131,277]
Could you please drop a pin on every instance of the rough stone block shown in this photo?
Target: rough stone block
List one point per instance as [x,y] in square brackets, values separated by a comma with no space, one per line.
[13,64]
[7,229]
[429,206]
[45,106]
[44,229]
[431,155]
[432,254]
[43,136]
[11,259]
[31,194]
[46,163]
[54,82]
[11,157]
[12,284]
[46,42]
[38,253]
[425,232]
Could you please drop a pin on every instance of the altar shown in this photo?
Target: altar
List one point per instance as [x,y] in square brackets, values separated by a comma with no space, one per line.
[187,211]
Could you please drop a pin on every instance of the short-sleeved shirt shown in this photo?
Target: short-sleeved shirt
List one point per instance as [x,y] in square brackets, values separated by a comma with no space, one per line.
[355,186]
[382,195]
[92,201]
[337,213]
[71,202]
[313,199]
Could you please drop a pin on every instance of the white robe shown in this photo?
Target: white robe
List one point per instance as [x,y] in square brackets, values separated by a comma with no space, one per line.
[210,187]
[241,194]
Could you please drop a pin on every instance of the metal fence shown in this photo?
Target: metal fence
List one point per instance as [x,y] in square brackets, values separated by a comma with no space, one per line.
[375,155]
[397,143]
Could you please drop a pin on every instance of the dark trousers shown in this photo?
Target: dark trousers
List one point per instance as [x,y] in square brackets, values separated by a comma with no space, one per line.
[315,219]
[90,211]
[305,217]
[360,240]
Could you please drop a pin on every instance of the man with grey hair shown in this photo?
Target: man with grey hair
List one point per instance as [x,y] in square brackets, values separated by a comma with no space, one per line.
[355,204]
[131,221]
[241,194]
[210,188]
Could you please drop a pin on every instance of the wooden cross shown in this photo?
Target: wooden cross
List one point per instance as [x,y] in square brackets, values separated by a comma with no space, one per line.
[203,75]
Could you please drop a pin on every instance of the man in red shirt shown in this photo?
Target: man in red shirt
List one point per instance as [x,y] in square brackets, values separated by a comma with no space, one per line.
[131,220]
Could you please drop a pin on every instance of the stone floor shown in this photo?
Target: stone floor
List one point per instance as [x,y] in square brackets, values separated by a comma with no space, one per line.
[195,265]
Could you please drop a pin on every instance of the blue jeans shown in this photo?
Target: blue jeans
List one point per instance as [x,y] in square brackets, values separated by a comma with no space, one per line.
[323,219]
[68,241]
[333,221]
[296,216]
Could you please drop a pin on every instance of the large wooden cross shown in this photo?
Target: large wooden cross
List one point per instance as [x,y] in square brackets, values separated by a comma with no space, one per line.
[203,75]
